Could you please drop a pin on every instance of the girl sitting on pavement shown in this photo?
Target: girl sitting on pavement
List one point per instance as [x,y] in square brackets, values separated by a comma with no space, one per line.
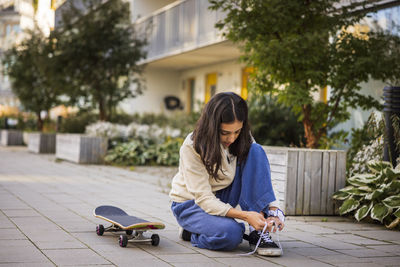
[220,168]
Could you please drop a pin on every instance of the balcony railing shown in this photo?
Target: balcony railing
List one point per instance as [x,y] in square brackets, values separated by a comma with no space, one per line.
[182,26]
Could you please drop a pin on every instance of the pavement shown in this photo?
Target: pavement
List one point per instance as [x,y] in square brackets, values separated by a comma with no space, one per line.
[46,219]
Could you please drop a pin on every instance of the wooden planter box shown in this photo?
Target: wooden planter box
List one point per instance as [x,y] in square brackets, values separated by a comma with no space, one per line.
[305,179]
[11,138]
[80,148]
[42,142]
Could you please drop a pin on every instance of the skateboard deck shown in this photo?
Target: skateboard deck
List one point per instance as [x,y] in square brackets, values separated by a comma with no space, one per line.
[121,221]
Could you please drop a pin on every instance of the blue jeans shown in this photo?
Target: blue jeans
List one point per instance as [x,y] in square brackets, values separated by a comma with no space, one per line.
[251,189]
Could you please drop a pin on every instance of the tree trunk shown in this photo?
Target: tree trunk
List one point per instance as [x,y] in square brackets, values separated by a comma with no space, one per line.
[102,110]
[311,138]
[39,122]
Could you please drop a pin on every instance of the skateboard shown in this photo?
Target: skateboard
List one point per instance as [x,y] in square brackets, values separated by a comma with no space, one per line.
[121,221]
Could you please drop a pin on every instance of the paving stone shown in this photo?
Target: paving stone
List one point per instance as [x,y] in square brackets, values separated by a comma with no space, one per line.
[44,235]
[357,264]
[340,259]
[366,253]
[353,239]
[314,251]
[63,257]
[21,213]
[11,234]
[245,261]
[25,254]
[201,264]
[393,249]
[291,258]
[315,229]
[28,264]
[165,247]
[186,258]
[65,244]
[141,262]
[387,261]
[5,223]
[15,243]
[387,235]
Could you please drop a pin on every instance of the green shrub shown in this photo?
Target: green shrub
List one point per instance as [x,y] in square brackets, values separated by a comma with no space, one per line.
[145,152]
[273,123]
[375,194]
[364,137]
[77,123]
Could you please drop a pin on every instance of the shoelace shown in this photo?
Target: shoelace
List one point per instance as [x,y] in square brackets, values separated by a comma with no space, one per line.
[264,235]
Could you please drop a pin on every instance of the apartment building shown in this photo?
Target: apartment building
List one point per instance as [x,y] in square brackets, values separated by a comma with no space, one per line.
[189,59]
[16,17]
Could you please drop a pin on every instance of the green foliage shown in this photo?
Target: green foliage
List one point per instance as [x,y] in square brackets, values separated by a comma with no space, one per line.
[143,152]
[376,194]
[30,68]
[373,129]
[35,4]
[300,47]
[77,123]
[97,51]
[25,122]
[368,143]
[183,121]
[272,123]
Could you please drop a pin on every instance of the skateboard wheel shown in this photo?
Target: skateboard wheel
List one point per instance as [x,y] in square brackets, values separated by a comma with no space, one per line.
[129,232]
[100,229]
[123,241]
[155,240]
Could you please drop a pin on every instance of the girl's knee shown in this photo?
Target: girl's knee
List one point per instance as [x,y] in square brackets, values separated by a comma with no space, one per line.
[234,235]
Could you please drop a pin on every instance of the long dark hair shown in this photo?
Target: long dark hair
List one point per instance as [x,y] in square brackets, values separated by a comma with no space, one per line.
[222,108]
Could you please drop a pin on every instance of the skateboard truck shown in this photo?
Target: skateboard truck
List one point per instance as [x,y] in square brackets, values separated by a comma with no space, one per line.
[138,237]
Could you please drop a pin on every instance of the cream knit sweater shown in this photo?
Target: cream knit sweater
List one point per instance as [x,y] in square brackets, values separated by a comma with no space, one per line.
[193,182]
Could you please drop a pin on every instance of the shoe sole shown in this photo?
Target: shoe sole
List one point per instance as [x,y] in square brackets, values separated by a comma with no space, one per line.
[267,252]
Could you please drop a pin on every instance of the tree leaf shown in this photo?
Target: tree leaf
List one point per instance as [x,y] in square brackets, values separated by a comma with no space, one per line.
[397,213]
[362,212]
[392,174]
[339,195]
[379,212]
[392,201]
[374,195]
[363,179]
[348,205]
[378,166]
[357,192]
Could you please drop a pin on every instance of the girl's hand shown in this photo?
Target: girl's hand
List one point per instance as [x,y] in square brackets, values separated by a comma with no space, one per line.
[258,221]
[277,224]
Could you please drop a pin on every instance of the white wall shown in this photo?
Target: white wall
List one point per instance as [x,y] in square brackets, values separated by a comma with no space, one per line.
[229,78]
[142,8]
[160,83]
[358,116]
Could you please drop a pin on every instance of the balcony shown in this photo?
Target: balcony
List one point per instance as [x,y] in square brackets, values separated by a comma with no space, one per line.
[183,35]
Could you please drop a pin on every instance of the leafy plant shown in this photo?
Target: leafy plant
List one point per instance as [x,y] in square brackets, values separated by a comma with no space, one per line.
[376,194]
[372,130]
[145,152]
[273,123]
[168,153]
